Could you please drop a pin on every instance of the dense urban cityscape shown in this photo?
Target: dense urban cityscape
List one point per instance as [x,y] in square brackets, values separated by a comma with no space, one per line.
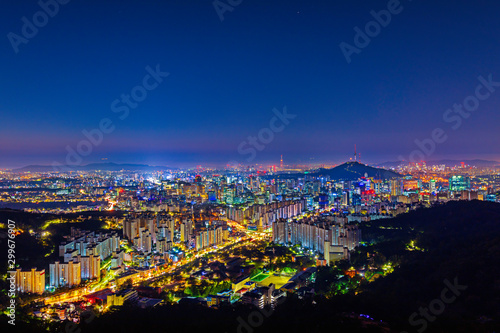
[238,166]
[238,235]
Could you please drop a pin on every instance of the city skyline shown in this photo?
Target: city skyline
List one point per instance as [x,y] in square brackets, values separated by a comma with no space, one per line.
[228,72]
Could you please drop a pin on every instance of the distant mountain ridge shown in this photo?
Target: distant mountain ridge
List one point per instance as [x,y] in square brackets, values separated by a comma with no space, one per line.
[476,162]
[93,166]
[355,170]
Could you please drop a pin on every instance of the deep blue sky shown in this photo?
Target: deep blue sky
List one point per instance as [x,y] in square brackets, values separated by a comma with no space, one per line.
[226,77]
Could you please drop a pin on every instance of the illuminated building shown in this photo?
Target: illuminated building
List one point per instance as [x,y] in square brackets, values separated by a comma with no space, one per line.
[65,274]
[121,297]
[85,243]
[264,215]
[425,197]
[377,186]
[323,201]
[117,259]
[280,232]
[30,281]
[346,201]
[186,230]
[432,186]
[334,253]
[367,196]
[90,266]
[396,187]
[146,242]
[262,296]
[210,237]
[313,233]
[411,184]
[459,183]
[242,282]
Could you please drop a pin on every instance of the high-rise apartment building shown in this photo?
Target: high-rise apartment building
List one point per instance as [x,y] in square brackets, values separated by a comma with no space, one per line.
[30,281]
[65,274]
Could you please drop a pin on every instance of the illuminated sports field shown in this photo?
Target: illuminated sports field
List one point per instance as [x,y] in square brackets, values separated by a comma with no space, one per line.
[260,277]
[279,281]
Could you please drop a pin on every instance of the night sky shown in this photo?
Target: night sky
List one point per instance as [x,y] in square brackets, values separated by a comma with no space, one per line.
[226,77]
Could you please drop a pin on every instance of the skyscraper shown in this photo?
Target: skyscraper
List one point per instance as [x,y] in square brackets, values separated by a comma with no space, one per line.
[459,183]
[396,187]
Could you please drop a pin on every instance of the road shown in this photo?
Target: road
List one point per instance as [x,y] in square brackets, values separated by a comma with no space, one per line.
[154,275]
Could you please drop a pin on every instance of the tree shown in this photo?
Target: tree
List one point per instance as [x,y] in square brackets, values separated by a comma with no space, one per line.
[126,285]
